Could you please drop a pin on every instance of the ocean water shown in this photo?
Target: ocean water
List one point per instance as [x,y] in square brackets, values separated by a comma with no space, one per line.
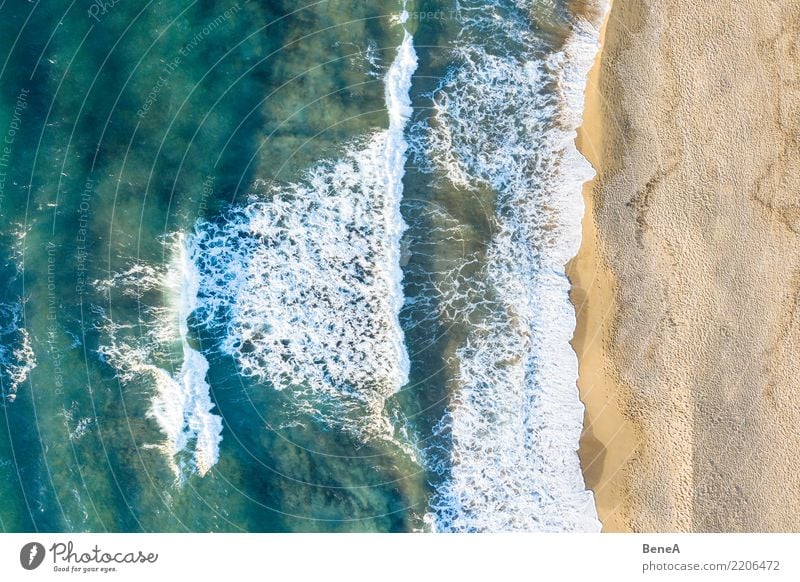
[283,267]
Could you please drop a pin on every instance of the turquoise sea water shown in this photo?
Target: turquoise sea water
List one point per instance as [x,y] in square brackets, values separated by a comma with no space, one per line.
[276,266]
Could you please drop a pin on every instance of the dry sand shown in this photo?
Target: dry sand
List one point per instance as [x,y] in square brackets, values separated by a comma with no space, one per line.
[687,285]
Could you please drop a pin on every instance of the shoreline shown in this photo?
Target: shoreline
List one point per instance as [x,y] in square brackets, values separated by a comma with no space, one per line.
[607,441]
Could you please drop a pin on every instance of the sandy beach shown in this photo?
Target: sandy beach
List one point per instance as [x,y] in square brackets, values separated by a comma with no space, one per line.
[609,438]
[688,280]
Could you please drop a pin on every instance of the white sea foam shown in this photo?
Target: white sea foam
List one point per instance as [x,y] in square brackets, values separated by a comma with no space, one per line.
[181,404]
[506,120]
[17,357]
[77,425]
[439,283]
[199,423]
[306,278]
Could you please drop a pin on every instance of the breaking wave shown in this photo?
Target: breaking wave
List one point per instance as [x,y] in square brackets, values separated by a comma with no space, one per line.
[305,280]
[181,404]
[505,119]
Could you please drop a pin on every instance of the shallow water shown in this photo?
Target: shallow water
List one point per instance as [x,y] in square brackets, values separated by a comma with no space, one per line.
[281,268]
